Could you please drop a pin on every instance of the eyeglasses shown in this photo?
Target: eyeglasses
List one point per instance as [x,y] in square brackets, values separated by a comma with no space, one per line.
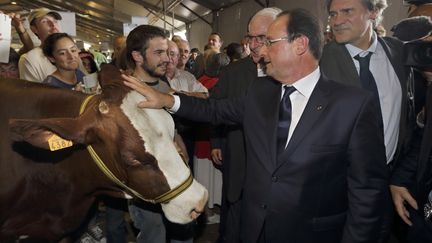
[271,42]
[260,39]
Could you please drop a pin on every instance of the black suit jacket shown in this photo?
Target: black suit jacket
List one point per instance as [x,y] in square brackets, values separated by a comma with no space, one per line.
[415,170]
[337,64]
[329,185]
[233,81]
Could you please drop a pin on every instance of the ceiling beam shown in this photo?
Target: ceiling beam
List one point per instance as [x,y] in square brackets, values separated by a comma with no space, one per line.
[196,14]
[64,7]
[157,9]
[88,26]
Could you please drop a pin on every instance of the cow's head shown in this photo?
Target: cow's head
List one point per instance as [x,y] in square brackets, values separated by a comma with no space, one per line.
[136,144]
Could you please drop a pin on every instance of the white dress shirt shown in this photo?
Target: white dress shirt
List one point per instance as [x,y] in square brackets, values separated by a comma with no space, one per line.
[299,98]
[185,81]
[389,90]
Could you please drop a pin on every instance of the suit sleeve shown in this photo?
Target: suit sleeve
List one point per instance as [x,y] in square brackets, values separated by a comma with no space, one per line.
[367,178]
[220,91]
[225,111]
[404,172]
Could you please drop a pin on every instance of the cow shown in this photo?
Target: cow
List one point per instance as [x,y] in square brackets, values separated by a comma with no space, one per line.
[61,149]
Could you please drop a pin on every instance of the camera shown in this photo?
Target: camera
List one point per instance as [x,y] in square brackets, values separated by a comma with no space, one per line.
[418,54]
[416,2]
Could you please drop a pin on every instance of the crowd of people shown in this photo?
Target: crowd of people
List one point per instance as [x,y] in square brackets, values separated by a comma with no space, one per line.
[299,134]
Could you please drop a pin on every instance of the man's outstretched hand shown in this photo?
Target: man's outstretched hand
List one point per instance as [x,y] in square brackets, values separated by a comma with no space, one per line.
[154,99]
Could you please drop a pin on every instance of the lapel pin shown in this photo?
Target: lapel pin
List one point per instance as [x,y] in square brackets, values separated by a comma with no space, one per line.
[319,107]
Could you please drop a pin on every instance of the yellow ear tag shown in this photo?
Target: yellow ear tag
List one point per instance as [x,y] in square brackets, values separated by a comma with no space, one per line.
[55,143]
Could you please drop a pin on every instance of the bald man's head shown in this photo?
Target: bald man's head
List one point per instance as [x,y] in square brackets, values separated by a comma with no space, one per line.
[173,54]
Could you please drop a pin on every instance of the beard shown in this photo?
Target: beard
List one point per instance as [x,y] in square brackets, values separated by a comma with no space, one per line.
[152,71]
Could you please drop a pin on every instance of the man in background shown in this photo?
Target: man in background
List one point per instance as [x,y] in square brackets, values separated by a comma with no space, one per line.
[228,145]
[34,65]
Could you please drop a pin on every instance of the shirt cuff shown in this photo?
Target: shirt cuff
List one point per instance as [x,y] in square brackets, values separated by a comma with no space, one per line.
[176,105]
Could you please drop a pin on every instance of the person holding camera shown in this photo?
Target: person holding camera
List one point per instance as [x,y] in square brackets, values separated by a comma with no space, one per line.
[411,182]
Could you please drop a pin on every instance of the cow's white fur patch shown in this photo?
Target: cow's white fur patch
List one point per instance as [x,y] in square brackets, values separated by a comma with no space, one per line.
[156,128]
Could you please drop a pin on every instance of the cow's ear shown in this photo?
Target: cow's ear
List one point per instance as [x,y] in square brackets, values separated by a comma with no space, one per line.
[113,89]
[51,133]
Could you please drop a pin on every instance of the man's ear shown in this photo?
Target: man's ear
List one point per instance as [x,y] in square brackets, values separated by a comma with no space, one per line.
[137,57]
[301,45]
[41,132]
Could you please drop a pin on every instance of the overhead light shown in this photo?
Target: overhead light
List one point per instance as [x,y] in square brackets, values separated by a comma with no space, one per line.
[13,3]
[100,43]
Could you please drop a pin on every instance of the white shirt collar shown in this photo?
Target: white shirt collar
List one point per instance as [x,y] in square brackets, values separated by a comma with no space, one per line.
[306,85]
[354,51]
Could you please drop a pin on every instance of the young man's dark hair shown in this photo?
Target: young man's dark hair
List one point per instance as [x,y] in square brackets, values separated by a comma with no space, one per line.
[138,39]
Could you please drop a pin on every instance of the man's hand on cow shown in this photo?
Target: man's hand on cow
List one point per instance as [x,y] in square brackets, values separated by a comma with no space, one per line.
[154,99]
[401,195]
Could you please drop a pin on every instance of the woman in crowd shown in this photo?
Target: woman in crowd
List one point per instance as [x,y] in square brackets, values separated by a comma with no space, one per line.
[62,51]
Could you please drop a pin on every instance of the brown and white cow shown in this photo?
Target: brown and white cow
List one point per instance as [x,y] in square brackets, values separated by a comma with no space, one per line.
[46,194]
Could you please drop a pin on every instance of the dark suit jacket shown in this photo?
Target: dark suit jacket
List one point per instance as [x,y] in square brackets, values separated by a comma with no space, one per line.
[233,81]
[415,170]
[329,185]
[337,64]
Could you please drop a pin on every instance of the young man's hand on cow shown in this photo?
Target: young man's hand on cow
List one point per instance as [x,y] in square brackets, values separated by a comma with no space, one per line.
[154,98]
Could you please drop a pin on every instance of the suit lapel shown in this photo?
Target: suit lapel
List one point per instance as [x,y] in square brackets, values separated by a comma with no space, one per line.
[272,121]
[315,107]
[394,60]
[346,66]
[267,110]
[351,71]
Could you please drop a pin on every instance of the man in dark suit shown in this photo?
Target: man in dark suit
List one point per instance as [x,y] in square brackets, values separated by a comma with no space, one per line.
[228,147]
[315,157]
[352,23]
[411,181]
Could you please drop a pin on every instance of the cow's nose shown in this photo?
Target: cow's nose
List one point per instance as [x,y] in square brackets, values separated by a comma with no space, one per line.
[195,214]
[199,208]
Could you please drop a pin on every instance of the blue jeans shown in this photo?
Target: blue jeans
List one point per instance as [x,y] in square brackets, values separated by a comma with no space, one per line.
[148,219]
[115,225]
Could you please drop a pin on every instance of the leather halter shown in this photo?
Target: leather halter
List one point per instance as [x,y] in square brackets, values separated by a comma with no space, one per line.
[164,198]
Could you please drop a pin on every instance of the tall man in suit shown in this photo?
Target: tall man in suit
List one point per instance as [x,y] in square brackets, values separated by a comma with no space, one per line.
[352,23]
[315,158]
[228,146]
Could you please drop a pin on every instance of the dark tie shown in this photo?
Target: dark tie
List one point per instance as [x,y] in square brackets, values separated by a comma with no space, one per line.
[366,77]
[284,119]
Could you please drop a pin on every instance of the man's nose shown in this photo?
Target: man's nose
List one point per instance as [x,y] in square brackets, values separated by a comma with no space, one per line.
[263,51]
[337,19]
[165,57]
